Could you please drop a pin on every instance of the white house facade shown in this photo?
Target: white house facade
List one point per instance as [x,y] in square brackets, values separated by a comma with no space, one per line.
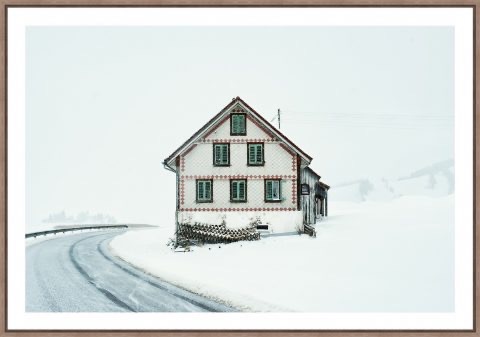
[238,168]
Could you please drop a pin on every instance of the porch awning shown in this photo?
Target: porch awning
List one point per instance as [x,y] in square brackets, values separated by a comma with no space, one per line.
[320,191]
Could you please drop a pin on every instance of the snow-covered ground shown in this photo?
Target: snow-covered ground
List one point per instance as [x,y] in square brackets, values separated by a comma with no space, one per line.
[395,256]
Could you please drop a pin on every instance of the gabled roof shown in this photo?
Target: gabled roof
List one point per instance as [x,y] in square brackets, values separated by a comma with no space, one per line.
[313,172]
[212,123]
[324,185]
[320,183]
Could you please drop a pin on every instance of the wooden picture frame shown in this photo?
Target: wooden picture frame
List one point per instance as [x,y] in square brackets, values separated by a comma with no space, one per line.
[6,4]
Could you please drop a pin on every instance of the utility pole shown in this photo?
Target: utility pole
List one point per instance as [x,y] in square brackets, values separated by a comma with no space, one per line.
[278,117]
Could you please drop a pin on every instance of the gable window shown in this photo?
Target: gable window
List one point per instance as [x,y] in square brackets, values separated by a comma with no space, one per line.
[272,190]
[238,190]
[204,191]
[238,124]
[221,154]
[255,154]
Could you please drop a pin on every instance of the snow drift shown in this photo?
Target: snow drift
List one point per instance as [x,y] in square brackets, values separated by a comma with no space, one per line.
[395,256]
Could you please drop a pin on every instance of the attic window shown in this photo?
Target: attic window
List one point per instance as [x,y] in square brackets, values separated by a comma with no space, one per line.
[238,124]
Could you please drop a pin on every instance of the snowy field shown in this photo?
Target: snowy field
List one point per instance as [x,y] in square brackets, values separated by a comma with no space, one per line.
[395,256]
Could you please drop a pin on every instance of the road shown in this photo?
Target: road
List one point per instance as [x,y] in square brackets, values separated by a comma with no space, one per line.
[76,273]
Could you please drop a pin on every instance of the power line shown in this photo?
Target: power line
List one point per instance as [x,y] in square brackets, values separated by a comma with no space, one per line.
[371,114]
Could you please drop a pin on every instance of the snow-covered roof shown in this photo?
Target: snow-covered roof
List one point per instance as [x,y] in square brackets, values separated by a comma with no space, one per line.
[215,121]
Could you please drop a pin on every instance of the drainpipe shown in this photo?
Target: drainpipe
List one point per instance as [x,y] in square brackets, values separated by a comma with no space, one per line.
[169,168]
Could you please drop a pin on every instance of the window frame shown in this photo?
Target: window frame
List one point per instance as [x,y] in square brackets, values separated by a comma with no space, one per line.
[263,153]
[228,157]
[211,191]
[279,190]
[231,124]
[231,190]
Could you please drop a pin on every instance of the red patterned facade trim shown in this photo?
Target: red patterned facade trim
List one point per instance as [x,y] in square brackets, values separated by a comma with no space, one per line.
[240,176]
[294,193]
[294,183]
[182,163]
[238,109]
[237,141]
[182,191]
[241,209]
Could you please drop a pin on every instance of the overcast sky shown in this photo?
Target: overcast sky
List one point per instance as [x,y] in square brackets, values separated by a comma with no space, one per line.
[105,106]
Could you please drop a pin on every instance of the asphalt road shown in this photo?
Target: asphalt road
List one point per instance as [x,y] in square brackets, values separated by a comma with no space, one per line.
[76,273]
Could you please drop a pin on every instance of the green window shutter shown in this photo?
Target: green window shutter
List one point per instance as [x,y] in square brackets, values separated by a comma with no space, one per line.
[269,187]
[224,154]
[234,123]
[259,154]
[234,190]
[217,154]
[241,123]
[208,190]
[200,190]
[238,125]
[251,153]
[241,190]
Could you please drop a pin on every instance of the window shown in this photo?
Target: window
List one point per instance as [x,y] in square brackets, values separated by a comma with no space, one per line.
[255,154]
[221,154]
[204,191]
[272,190]
[238,125]
[238,190]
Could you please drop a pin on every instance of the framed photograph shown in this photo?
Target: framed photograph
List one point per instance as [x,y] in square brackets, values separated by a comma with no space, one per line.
[240,168]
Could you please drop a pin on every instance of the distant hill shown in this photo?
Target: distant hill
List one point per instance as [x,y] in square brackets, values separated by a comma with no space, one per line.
[434,180]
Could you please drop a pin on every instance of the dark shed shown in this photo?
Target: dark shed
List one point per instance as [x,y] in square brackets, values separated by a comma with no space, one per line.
[313,196]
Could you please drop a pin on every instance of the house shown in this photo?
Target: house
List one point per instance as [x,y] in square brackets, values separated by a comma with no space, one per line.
[238,168]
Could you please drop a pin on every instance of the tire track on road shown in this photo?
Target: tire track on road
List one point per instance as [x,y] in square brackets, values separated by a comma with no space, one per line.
[154,284]
[82,271]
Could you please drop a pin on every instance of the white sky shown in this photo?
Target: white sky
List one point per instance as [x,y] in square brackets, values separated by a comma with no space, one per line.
[105,106]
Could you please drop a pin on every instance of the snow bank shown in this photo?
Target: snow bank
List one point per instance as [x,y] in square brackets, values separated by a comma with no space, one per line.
[393,256]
